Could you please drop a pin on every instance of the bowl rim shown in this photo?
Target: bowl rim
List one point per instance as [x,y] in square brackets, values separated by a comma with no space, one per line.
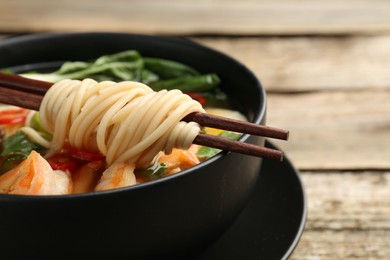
[259,116]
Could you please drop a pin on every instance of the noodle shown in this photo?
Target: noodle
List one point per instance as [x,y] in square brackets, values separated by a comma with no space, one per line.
[127,121]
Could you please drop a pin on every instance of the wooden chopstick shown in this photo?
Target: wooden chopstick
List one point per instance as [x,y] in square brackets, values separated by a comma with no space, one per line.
[20,98]
[229,124]
[24,84]
[28,93]
[237,147]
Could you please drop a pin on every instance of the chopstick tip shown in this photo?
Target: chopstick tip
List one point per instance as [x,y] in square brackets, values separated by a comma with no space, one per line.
[287,135]
[281,156]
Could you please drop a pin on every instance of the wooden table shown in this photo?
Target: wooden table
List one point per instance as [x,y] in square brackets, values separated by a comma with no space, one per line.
[326,68]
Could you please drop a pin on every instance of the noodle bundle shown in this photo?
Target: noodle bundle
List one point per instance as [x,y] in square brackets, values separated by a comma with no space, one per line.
[126,121]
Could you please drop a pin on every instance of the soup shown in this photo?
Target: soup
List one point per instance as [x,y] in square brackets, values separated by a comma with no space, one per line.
[95,134]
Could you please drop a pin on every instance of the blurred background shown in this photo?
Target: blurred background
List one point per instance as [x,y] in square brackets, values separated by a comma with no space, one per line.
[325,66]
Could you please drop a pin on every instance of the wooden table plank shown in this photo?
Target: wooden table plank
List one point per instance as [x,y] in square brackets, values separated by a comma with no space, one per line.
[334,130]
[245,17]
[348,216]
[301,64]
[296,64]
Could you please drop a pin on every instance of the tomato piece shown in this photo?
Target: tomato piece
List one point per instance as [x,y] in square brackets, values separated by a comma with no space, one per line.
[84,155]
[63,162]
[201,99]
[13,116]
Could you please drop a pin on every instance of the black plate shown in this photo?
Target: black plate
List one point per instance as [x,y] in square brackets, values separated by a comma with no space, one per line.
[272,223]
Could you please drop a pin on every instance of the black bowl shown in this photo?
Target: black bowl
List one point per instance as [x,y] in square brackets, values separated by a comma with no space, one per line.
[175,216]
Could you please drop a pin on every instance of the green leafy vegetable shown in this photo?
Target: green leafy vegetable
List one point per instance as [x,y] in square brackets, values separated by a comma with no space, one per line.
[120,66]
[188,83]
[207,152]
[130,65]
[230,135]
[37,125]
[155,171]
[216,98]
[168,69]
[15,149]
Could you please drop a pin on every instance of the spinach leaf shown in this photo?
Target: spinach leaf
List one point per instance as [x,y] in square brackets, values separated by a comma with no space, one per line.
[207,152]
[130,65]
[16,148]
[168,69]
[188,83]
[155,171]
[230,135]
[117,67]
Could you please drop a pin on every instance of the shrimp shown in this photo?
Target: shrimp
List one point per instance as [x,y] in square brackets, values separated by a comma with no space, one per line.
[117,175]
[180,159]
[34,176]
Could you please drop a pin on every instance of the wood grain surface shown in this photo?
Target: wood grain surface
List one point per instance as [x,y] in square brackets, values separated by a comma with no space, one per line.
[245,17]
[335,130]
[325,66]
[301,64]
[348,216]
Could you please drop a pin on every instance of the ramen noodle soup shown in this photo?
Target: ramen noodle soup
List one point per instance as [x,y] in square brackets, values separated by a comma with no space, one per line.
[92,136]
